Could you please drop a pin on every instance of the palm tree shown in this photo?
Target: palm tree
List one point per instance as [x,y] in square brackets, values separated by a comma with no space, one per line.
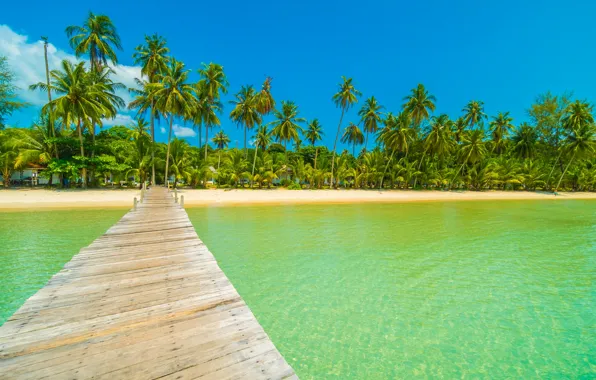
[396,136]
[473,149]
[246,111]
[285,125]
[419,104]
[438,141]
[313,134]
[82,100]
[262,139]
[50,119]
[370,116]
[524,141]
[181,163]
[265,101]
[142,140]
[221,141]
[153,58]
[500,128]
[346,97]
[353,135]
[97,38]
[474,113]
[213,82]
[173,96]
[459,128]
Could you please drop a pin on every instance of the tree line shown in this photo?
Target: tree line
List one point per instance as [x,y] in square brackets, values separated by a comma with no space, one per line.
[409,148]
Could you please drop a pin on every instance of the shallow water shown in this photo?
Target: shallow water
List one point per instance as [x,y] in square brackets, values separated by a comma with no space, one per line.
[441,290]
[36,245]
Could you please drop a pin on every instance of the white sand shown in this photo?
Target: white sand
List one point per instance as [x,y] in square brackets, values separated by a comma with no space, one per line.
[60,199]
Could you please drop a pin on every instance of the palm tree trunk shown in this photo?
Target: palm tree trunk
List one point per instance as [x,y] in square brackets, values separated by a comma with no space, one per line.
[316,154]
[455,176]
[245,148]
[366,142]
[168,154]
[254,161]
[219,160]
[565,171]
[386,167]
[206,140]
[419,166]
[82,153]
[152,142]
[335,146]
[553,169]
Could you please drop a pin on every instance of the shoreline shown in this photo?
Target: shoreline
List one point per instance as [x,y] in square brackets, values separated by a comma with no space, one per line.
[43,199]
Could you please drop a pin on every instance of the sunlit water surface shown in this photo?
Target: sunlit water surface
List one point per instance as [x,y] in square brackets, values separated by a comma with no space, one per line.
[34,245]
[438,290]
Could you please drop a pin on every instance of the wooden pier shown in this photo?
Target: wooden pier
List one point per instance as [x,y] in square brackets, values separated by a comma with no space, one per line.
[146,300]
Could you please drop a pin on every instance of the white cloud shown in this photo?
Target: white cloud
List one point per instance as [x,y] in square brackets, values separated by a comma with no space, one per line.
[181,131]
[120,119]
[162,130]
[26,60]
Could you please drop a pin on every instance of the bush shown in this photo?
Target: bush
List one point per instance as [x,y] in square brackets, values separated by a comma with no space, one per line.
[295,186]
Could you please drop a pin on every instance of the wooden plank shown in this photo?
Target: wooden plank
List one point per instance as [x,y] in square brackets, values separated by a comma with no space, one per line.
[146,300]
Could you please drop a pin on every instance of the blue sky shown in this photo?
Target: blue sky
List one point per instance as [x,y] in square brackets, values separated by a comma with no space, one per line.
[504,53]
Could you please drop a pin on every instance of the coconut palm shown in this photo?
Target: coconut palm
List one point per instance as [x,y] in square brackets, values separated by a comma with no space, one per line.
[153,58]
[439,140]
[285,126]
[524,141]
[213,82]
[313,134]
[459,128]
[370,116]
[265,101]
[262,140]
[97,38]
[221,141]
[500,127]
[344,98]
[580,143]
[246,110]
[473,149]
[50,116]
[396,136]
[172,96]
[205,111]
[474,113]
[353,135]
[419,104]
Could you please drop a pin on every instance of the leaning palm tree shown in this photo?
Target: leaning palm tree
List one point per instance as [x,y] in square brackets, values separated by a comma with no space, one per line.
[285,126]
[221,141]
[313,134]
[246,111]
[81,99]
[97,38]
[153,58]
[500,127]
[265,101]
[474,113]
[472,150]
[346,97]
[262,140]
[173,96]
[419,104]
[396,136]
[370,116]
[213,82]
[353,135]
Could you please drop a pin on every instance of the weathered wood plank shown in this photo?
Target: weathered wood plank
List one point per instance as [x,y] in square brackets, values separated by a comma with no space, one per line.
[146,300]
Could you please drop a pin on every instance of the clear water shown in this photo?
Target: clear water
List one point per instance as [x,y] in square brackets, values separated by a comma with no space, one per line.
[36,245]
[420,290]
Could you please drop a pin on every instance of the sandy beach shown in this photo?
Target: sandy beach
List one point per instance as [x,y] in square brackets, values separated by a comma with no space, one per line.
[66,199]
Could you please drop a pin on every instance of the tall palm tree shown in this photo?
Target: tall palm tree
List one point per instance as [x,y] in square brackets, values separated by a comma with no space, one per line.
[97,38]
[580,143]
[313,134]
[459,128]
[285,125]
[246,111]
[353,135]
[265,101]
[419,104]
[474,113]
[50,117]
[213,82]
[473,149]
[370,116]
[262,140]
[173,96]
[153,58]
[82,99]
[221,141]
[344,98]
[500,127]
[524,141]
[439,140]
[396,136]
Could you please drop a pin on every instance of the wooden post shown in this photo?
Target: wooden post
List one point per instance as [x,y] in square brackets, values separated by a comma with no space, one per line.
[135,204]
[142,194]
[182,201]
[176,195]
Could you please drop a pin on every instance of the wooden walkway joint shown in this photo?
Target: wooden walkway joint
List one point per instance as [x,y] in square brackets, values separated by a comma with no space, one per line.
[146,300]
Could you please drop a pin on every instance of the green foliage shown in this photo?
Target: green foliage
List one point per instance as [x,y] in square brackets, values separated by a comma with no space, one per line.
[8,97]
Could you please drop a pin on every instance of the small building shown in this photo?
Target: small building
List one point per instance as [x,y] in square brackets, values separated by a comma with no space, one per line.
[30,176]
